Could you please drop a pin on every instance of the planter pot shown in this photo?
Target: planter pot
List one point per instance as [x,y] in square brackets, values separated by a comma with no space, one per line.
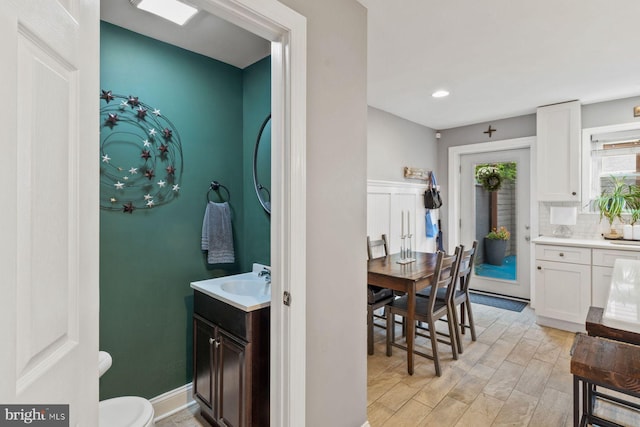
[494,250]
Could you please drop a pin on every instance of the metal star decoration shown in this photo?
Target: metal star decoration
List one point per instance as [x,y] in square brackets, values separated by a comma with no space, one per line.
[142,112]
[112,120]
[133,171]
[145,154]
[107,95]
[152,132]
[176,188]
[163,148]
[150,203]
[156,112]
[170,170]
[123,105]
[133,101]
[128,208]
[148,196]
[166,132]
[149,173]
[119,185]
[113,200]
[162,184]
[146,143]
[106,158]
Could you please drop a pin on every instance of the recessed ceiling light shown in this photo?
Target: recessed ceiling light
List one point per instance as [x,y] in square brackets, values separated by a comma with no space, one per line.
[172,10]
[440,94]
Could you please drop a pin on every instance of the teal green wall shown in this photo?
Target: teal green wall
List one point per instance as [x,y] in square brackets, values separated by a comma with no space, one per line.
[149,258]
[257,105]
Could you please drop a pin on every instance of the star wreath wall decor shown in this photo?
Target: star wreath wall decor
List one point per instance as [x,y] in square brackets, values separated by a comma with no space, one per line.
[141,155]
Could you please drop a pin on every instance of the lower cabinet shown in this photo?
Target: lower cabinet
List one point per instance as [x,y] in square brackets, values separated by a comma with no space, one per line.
[563,290]
[231,368]
[570,279]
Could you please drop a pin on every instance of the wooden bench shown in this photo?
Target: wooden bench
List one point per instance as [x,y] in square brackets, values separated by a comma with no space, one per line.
[607,364]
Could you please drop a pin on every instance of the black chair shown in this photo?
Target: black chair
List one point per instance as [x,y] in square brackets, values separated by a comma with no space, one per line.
[430,309]
[376,297]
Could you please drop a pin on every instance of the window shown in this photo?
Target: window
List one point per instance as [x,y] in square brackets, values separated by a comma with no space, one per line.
[609,151]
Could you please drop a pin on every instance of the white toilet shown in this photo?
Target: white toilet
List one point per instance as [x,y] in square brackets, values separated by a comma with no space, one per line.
[126,411]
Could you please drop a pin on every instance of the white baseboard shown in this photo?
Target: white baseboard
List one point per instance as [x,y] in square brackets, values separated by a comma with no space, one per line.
[560,324]
[366,424]
[173,401]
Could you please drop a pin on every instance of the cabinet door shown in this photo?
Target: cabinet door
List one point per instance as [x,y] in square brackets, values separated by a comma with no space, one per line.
[233,396]
[203,362]
[558,152]
[563,291]
[600,285]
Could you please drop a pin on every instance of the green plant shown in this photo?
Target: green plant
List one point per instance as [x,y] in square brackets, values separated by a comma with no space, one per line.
[498,234]
[635,215]
[613,202]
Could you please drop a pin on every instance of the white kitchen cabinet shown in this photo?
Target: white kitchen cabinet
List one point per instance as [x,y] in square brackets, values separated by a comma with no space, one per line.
[558,152]
[563,283]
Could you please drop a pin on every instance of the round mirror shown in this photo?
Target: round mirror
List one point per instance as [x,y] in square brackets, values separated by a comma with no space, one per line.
[262,165]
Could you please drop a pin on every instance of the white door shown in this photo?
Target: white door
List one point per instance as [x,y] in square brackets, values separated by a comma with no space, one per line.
[49,174]
[482,210]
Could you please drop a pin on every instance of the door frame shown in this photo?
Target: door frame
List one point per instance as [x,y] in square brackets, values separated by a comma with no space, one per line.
[454,164]
[287,31]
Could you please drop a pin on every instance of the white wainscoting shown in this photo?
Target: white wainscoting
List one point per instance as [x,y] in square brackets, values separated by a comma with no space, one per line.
[385,202]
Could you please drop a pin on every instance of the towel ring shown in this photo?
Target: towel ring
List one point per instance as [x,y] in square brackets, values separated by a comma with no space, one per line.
[215,186]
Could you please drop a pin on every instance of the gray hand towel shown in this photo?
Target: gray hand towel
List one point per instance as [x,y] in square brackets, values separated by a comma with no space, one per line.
[217,237]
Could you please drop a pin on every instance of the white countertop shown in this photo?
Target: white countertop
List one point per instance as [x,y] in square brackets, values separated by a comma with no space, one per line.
[624,245]
[248,301]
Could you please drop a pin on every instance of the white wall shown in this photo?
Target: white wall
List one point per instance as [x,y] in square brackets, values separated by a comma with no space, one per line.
[336,375]
[393,143]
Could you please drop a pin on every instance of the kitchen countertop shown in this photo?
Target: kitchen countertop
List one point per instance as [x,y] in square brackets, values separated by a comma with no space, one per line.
[623,245]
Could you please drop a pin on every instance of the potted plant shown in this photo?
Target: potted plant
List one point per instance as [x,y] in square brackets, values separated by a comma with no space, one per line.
[612,203]
[495,245]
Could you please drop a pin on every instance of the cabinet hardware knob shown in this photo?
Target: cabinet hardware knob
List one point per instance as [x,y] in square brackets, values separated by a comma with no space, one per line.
[573,193]
[539,268]
[211,340]
[217,342]
[561,254]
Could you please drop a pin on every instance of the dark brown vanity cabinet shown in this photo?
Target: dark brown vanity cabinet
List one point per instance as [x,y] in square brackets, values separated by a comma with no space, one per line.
[231,363]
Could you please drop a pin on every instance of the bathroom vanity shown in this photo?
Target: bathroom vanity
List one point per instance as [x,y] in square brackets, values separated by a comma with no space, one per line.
[231,325]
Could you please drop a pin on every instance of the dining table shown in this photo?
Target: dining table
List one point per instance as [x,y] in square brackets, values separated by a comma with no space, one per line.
[393,272]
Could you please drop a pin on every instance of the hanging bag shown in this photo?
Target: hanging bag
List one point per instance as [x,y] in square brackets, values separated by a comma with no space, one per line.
[432,199]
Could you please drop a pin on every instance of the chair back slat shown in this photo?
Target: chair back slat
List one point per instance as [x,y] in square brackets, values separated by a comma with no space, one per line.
[466,266]
[377,248]
[445,275]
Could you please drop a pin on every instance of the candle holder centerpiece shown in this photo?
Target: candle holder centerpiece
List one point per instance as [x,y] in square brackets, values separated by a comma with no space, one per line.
[406,253]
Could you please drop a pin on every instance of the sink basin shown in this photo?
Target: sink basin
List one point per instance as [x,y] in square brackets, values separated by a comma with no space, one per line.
[246,287]
[246,291]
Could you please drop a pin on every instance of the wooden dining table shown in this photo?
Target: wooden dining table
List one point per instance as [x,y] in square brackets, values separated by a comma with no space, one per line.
[386,272]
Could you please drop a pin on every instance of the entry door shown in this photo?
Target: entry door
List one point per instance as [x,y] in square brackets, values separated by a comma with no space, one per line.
[49,217]
[481,210]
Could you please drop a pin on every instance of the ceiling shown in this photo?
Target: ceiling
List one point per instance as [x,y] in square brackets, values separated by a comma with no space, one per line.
[498,58]
[204,33]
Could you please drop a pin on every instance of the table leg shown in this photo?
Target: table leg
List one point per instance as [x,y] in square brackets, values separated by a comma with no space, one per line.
[411,326]
[576,401]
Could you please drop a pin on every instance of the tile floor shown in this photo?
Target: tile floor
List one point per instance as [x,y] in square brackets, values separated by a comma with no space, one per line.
[515,374]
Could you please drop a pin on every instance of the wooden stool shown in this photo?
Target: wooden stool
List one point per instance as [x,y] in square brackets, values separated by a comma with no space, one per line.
[607,364]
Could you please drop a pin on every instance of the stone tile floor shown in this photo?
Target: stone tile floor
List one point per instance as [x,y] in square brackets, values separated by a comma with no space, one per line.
[515,374]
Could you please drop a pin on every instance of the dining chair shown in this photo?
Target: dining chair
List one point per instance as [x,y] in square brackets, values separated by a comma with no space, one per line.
[460,296]
[429,309]
[377,297]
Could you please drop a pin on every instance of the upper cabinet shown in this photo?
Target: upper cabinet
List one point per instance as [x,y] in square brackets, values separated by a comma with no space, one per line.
[558,152]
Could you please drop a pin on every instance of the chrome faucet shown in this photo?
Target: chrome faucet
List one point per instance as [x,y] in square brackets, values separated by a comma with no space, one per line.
[266,272]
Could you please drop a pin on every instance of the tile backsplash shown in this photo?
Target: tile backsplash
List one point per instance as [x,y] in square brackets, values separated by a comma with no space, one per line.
[588,225]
